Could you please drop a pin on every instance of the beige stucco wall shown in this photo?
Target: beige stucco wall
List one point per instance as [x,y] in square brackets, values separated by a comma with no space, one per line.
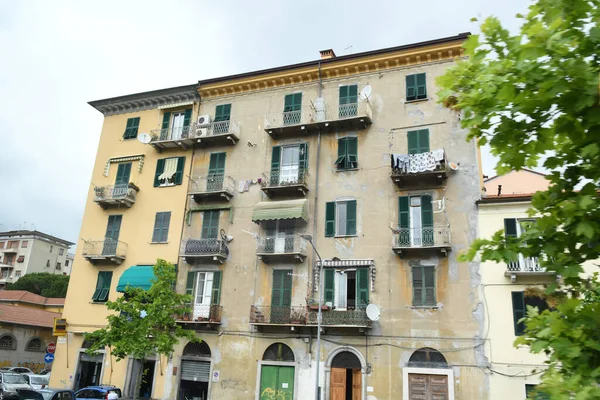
[517,182]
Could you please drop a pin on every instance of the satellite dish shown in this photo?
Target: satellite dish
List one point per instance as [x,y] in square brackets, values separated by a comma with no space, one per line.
[144,138]
[373,312]
[453,166]
[366,92]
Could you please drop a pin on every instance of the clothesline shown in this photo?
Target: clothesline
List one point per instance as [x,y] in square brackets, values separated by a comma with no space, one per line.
[421,162]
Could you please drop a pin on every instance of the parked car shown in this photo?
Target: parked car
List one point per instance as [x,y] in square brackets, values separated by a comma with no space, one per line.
[17,370]
[46,394]
[97,392]
[37,381]
[45,372]
[10,382]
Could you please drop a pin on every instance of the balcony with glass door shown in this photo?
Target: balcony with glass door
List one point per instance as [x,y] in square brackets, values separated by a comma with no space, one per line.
[205,187]
[281,246]
[427,169]
[203,314]
[307,316]
[107,251]
[196,251]
[288,176]
[525,267]
[407,241]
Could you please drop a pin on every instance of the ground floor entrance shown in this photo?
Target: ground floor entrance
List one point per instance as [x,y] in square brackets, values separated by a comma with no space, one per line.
[276,382]
[146,368]
[89,369]
[194,379]
[427,387]
[345,378]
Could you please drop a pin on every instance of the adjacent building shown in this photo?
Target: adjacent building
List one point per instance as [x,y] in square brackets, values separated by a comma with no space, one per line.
[229,178]
[24,251]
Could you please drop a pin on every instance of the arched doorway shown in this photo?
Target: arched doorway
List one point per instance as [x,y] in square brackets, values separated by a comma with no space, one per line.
[428,376]
[195,371]
[345,381]
[277,373]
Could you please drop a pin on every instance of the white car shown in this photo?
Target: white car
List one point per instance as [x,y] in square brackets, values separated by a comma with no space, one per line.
[17,370]
[37,381]
[10,383]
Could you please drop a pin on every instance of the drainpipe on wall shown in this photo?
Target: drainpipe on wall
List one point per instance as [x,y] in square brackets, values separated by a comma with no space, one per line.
[314,233]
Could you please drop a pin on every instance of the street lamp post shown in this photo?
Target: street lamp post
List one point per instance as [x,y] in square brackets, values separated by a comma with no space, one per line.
[309,238]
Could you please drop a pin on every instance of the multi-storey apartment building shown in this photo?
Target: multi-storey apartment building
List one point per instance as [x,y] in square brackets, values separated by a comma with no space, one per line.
[24,251]
[353,151]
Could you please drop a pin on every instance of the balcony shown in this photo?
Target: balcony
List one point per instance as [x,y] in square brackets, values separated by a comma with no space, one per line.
[525,266]
[115,195]
[7,264]
[213,134]
[10,250]
[419,170]
[354,116]
[107,251]
[288,248]
[197,251]
[211,188]
[304,316]
[279,183]
[207,315]
[410,241]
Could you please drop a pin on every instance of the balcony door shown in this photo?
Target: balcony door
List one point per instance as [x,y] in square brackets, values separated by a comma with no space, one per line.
[281,296]
[292,109]
[122,180]
[203,295]
[177,125]
[416,221]
[216,172]
[280,236]
[111,238]
[290,164]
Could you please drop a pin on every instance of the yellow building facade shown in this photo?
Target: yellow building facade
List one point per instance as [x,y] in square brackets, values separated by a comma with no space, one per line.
[223,177]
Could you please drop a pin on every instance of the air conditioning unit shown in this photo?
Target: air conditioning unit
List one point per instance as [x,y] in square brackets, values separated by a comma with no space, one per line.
[202,132]
[203,119]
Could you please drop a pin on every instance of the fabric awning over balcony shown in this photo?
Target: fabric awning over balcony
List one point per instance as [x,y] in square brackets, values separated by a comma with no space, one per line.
[348,263]
[274,210]
[137,276]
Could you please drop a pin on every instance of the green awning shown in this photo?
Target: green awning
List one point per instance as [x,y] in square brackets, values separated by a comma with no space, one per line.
[137,276]
[208,207]
[274,210]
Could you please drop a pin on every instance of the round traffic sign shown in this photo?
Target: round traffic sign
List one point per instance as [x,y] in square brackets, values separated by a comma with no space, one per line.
[51,348]
[49,357]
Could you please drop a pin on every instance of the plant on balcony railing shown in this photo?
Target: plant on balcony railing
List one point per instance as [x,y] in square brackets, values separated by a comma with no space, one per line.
[525,264]
[278,315]
[123,191]
[206,247]
[203,313]
[291,243]
[283,178]
[422,237]
[214,183]
[431,161]
[104,248]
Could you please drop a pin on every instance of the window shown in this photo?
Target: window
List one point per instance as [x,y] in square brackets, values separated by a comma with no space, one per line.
[280,236]
[61,252]
[415,221]
[20,259]
[347,289]
[289,164]
[8,342]
[169,171]
[17,274]
[292,109]
[210,224]
[520,303]
[58,265]
[347,153]
[416,87]
[24,244]
[102,286]
[418,141]
[340,218]
[161,227]
[423,283]
[223,113]
[348,101]
[34,344]
[13,244]
[1,245]
[216,172]
[48,264]
[205,289]
[9,259]
[176,125]
[131,129]
[66,263]
[51,248]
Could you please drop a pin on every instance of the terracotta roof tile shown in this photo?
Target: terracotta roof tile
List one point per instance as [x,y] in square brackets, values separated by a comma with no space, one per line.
[27,316]
[28,297]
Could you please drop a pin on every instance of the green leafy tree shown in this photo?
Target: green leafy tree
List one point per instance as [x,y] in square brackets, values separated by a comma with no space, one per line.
[143,322]
[533,97]
[43,283]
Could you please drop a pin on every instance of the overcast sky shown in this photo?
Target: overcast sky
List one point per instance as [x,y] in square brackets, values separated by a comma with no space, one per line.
[58,55]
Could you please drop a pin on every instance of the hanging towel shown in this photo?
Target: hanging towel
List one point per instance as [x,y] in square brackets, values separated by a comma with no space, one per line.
[438,155]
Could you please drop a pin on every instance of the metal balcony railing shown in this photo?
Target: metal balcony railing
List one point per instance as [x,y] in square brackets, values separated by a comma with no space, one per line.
[274,179]
[301,315]
[205,247]
[435,236]
[216,128]
[286,244]
[104,248]
[210,184]
[122,191]
[357,317]
[525,264]
[317,115]
[430,162]
[178,133]
[203,313]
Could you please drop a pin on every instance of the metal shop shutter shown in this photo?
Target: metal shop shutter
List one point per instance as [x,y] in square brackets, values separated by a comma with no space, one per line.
[198,371]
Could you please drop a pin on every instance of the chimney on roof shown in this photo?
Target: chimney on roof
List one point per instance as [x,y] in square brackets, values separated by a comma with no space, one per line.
[499,190]
[325,54]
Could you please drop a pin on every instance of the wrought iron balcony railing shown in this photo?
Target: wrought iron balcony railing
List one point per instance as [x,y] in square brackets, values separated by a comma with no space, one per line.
[210,314]
[286,244]
[431,161]
[216,128]
[215,133]
[206,184]
[205,248]
[178,133]
[115,194]
[301,315]
[525,264]
[107,249]
[273,179]
[437,237]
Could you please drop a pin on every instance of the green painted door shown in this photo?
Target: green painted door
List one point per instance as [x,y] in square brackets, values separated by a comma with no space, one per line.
[216,172]
[292,109]
[276,382]
[111,238]
[281,296]
[122,180]
[210,225]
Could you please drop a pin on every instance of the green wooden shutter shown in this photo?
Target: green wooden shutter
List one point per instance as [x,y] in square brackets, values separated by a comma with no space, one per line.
[421,86]
[292,102]
[297,101]
[352,94]
[215,298]
[276,289]
[352,152]
[329,285]
[330,219]
[411,87]
[187,117]
[99,286]
[510,227]
[403,212]
[216,165]
[166,120]
[413,142]
[123,174]
[343,94]
[160,167]
[341,160]
[113,227]
[417,286]
[427,234]
[210,224]
[179,174]
[286,292]
[351,217]
[131,129]
[303,161]
[223,112]
[429,286]
[189,286]
[518,303]
[275,164]
[102,286]
[423,140]
[158,221]
[362,287]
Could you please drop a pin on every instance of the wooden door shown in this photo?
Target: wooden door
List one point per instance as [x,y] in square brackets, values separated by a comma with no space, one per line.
[338,383]
[427,387]
[356,384]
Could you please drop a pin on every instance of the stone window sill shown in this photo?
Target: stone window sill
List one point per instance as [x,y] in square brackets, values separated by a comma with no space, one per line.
[416,100]
[347,169]
[424,307]
[344,236]
[159,242]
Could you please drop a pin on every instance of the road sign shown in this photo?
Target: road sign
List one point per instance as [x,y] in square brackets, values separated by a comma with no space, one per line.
[51,348]
[49,357]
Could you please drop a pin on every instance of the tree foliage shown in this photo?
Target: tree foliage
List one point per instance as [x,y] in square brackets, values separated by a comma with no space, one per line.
[143,322]
[43,283]
[533,97]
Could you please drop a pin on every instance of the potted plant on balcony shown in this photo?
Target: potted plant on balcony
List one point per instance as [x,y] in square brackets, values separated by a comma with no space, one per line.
[314,306]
